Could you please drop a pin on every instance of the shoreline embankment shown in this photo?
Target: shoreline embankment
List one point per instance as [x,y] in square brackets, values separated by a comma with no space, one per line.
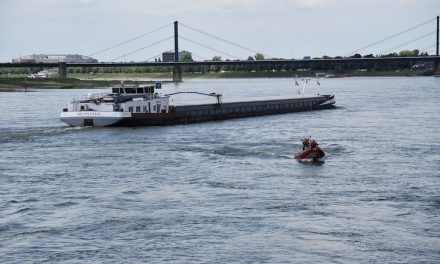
[19,83]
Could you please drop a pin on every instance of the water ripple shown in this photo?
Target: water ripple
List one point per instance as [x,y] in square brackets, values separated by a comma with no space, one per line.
[229,191]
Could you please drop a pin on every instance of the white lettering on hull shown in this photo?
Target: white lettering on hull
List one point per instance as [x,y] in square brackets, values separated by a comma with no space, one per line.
[98,118]
[88,113]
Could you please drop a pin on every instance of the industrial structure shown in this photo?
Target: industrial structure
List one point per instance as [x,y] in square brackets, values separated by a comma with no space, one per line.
[168,56]
[54,58]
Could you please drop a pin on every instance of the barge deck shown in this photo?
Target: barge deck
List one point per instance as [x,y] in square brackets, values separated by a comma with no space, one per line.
[185,114]
[140,105]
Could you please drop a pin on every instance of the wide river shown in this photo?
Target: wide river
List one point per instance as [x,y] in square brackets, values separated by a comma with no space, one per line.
[229,191]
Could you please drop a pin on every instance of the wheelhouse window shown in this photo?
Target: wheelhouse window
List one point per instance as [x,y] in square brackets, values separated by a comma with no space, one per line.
[130,109]
[130,90]
[138,109]
[149,90]
[117,90]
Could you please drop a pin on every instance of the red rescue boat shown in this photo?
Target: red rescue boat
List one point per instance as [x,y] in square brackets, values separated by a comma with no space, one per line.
[310,150]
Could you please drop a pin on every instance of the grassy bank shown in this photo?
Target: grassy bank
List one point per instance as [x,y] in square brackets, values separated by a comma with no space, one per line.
[152,75]
[107,79]
[268,74]
[280,74]
[19,83]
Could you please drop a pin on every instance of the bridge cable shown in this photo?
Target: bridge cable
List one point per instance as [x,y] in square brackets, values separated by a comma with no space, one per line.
[158,55]
[127,41]
[389,37]
[221,39]
[155,43]
[408,42]
[428,48]
[198,56]
[206,46]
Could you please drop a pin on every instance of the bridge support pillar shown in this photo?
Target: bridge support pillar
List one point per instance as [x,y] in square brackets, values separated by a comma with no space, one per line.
[62,70]
[437,61]
[177,74]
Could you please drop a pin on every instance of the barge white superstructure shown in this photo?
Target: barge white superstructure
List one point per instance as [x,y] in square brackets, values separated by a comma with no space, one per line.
[109,108]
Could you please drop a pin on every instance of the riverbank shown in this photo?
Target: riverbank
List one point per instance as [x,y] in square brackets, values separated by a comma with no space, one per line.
[264,74]
[12,84]
[17,83]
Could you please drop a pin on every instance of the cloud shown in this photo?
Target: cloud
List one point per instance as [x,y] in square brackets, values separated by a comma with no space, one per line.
[309,3]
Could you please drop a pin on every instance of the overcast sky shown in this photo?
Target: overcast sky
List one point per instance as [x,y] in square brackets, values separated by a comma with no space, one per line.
[276,28]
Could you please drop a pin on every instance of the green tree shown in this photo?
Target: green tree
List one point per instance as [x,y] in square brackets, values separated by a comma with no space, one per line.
[215,68]
[259,56]
[393,54]
[186,58]
[405,53]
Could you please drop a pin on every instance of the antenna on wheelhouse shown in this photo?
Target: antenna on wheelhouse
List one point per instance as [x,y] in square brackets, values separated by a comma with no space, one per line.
[296,83]
[306,81]
[317,79]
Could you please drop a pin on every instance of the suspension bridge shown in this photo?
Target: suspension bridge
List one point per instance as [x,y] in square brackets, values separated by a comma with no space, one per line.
[329,63]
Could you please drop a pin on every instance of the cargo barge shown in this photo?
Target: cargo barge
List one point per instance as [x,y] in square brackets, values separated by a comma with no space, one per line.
[140,105]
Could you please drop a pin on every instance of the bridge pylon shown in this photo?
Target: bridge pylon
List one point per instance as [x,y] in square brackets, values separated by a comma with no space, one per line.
[62,70]
[177,70]
[437,61]
[177,74]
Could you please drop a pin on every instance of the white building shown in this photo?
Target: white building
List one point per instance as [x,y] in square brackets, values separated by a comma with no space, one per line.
[54,58]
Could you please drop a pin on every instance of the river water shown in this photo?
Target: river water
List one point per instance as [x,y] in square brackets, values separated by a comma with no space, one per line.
[227,191]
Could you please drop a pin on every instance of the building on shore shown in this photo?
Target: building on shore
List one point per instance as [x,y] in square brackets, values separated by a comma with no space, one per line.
[168,56]
[54,58]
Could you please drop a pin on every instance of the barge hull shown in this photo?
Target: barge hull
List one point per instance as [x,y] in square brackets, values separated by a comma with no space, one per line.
[210,112]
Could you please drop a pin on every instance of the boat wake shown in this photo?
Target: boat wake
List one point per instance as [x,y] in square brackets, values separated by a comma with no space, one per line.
[22,134]
[337,150]
[243,150]
[312,161]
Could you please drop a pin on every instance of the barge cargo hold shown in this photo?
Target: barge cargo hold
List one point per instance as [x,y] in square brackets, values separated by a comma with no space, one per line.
[185,114]
[141,106]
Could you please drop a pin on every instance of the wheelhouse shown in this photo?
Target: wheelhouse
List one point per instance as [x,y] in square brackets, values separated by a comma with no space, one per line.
[132,89]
